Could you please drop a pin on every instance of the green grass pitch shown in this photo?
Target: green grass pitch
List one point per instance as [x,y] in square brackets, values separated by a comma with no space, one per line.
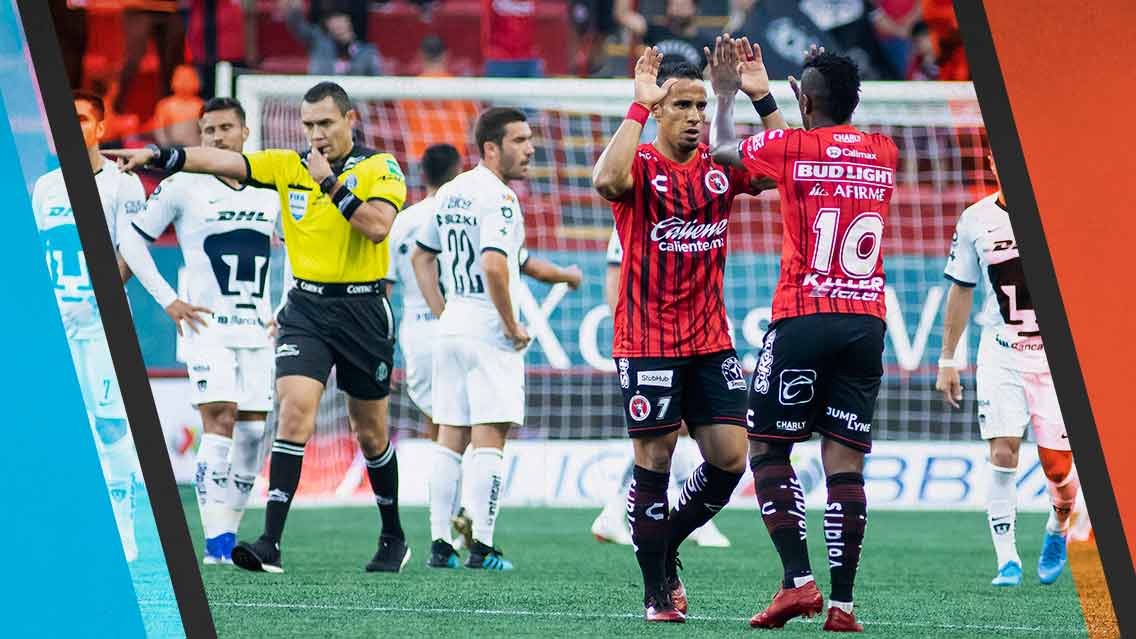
[923,574]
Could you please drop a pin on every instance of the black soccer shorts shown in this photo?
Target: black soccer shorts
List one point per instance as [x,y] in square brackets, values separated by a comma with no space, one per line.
[659,393]
[818,372]
[348,326]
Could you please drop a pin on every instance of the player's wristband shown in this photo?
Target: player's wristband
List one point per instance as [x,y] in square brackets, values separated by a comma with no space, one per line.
[327,184]
[346,202]
[765,106]
[169,159]
[638,113]
[952,363]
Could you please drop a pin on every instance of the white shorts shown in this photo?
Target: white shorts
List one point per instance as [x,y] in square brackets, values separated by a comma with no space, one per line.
[97,380]
[484,384]
[416,339]
[244,376]
[1009,400]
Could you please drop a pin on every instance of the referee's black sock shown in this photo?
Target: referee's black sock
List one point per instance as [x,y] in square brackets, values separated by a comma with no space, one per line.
[283,476]
[383,473]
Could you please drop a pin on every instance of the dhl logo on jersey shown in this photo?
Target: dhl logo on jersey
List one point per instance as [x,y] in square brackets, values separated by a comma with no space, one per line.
[844,172]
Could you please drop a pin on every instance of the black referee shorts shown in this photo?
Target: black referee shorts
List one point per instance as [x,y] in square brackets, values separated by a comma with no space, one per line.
[348,326]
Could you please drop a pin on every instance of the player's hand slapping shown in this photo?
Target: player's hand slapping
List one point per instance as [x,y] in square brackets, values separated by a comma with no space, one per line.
[518,336]
[130,159]
[318,166]
[811,54]
[751,69]
[647,91]
[724,78]
[193,316]
[949,384]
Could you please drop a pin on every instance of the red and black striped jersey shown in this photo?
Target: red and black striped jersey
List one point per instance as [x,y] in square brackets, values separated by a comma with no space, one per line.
[672,224]
[836,184]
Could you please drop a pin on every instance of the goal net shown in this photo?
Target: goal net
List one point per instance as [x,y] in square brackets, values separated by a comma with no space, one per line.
[572,392]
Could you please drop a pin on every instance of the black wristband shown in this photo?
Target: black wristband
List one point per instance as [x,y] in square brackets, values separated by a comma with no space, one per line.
[327,184]
[346,202]
[765,106]
[169,159]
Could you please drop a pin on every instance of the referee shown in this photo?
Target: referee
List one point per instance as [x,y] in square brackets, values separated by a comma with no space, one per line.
[338,201]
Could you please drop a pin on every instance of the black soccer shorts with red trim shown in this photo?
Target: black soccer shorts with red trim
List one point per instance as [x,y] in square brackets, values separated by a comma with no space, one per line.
[660,393]
[818,373]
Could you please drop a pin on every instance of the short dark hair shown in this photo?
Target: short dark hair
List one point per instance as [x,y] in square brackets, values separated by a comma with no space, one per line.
[224,104]
[491,125]
[432,46]
[93,99]
[329,90]
[440,163]
[677,67]
[840,95]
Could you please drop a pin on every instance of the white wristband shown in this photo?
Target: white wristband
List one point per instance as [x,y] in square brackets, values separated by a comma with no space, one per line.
[952,363]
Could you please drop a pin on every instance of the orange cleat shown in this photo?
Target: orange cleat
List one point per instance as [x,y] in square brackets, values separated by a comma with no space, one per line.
[678,595]
[840,621]
[662,612]
[804,601]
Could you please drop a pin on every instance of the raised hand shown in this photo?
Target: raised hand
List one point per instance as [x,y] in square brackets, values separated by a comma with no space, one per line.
[318,166]
[130,159]
[810,55]
[751,69]
[724,77]
[647,91]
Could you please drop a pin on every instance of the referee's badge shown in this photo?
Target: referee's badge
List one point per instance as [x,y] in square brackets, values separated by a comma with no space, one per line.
[351,181]
[297,204]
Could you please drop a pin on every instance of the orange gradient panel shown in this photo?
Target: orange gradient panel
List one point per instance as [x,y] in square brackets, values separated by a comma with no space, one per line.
[1068,72]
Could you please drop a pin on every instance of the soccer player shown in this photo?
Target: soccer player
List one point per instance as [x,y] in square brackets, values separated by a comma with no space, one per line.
[1015,388]
[122,197]
[822,360]
[338,201]
[672,347]
[476,236]
[225,230]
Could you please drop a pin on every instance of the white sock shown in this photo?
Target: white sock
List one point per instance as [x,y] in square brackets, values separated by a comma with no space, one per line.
[119,462]
[245,462]
[486,469]
[445,490]
[211,478]
[1001,512]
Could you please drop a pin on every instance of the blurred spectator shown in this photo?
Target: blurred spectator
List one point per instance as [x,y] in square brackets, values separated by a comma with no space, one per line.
[436,121]
[507,39]
[358,10]
[784,33]
[594,22]
[71,29]
[175,117]
[218,32]
[119,126]
[949,53]
[678,36]
[893,21]
[141,21]
[923,66]
[847,21]
[434,57]
[333,48]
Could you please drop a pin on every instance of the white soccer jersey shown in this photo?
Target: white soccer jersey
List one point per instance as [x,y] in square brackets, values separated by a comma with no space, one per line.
[226,240]
[122,197]
[614,249]
[401,241]
[984,249]
[475,212]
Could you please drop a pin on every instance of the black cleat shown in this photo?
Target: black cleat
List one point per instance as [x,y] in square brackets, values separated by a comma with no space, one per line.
[483,557]
[443,555]
[392,555]
[262,555]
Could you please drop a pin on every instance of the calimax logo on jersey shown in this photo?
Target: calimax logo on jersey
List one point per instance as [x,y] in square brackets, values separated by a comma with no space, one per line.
[676,235]
[836,152]
[844,172]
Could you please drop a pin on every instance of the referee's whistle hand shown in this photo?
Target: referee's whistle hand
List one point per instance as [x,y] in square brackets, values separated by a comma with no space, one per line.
[193,316]
[318,166]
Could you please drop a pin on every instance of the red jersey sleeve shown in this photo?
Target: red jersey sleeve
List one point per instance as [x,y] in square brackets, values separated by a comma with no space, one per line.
[764,153]
[742,181]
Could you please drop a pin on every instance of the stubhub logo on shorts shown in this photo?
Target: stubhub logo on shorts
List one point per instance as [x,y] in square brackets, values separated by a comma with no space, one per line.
[297,204]
[655,378]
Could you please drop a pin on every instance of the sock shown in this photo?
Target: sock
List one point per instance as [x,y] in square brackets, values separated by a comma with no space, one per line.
[1001,513]
[647,514]
[119,462]
[845,518]
[245,462]
[782,503]
[383,473]
[486,466]
[1063,496]
[445,491]
[707,491]
[211,480]
[283,478]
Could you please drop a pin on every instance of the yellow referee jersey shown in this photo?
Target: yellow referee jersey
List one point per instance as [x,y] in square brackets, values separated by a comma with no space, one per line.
[322,245]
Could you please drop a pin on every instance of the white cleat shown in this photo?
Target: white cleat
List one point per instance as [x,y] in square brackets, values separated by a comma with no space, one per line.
[611,528]
[708,536]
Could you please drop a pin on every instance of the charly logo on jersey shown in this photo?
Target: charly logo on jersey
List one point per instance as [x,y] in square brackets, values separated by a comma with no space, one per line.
[847,138]
[639,407]
[717,182]
[297,204]
[732,371]
[660,183]
[676,235]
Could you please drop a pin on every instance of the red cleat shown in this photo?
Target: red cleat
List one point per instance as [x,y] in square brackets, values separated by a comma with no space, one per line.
[804,601]
[840,621]
[678,595]
[662,612]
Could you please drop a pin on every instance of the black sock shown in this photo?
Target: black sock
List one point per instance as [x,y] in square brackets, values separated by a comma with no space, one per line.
[283,476]
[706,492]
[845,518]
[383,473]
[782,504]
[647,514]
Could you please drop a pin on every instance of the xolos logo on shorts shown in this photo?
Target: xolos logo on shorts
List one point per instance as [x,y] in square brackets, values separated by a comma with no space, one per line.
[797,386]
[639,407]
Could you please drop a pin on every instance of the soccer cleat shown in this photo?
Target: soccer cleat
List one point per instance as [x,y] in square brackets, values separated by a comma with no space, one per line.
[392,555]
[262,555]
[803,601]
[1010,574]
[674,584]
[658,609]
[215,551]
[1052,560]
[611,527]
[840,621]
[708,536]
[228,540]
[463,529]
[483,557]
[443,555]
